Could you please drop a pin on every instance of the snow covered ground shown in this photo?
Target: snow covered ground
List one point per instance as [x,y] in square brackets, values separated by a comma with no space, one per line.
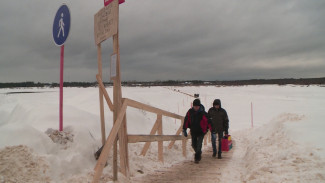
[285,144]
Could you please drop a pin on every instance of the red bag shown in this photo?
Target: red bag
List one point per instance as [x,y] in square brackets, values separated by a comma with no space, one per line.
[226,143]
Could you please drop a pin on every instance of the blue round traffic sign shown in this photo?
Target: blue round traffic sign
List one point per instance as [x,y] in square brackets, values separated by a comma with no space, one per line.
[61,25]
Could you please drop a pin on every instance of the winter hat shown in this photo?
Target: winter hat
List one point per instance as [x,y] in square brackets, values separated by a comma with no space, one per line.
[196,102]
[216,102]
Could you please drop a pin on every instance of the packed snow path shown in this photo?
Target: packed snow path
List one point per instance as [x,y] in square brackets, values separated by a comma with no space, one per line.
[208,170]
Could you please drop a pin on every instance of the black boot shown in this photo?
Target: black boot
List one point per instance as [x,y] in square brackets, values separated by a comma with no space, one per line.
[197,158]
[219,156]
[214,155]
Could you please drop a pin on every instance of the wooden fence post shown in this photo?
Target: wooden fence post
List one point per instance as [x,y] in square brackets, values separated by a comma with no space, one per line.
[117,99]
[160,143]
[123,147]
[184,142]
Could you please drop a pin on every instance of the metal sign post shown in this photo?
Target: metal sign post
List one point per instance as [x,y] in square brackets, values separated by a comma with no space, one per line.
[61,29]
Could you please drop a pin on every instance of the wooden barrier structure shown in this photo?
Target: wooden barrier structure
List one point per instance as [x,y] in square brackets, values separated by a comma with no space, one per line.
[118,124]
[106,23]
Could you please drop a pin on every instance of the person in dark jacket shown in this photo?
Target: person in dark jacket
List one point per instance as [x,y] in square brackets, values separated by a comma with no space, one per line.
[220,123]
[197,120]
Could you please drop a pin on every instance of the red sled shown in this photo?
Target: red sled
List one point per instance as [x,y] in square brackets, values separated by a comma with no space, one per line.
[226,143]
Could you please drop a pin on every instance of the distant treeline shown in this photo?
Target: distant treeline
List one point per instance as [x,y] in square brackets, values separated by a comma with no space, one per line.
[51,85]
[301,81]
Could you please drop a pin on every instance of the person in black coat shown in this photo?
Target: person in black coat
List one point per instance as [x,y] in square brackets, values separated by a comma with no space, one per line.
[197,120]
[220,123]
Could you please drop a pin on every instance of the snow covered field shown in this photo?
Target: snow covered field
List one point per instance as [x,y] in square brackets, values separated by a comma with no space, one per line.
[285,144]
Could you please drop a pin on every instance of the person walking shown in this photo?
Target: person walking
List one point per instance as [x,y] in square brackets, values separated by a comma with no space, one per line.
[197,120]
[220,123]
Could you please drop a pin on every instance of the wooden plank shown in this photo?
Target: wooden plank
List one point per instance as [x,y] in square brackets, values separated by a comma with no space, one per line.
[101,102]
[147,144]
[160,143]
[108,145]
[184,142]
[154,138]
[117,98]
[116,94]
[135,104]
[104,92]
[123,148]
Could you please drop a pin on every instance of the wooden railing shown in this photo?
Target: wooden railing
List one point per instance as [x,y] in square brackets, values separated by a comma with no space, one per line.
[157,128]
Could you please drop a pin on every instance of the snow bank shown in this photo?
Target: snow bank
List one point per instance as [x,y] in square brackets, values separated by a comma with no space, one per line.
[268,154]
[19,164]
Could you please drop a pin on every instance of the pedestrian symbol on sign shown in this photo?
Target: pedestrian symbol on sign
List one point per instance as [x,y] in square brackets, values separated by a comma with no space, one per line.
[61,25]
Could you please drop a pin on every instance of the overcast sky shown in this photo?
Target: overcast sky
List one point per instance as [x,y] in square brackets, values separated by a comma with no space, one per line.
[168,40]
